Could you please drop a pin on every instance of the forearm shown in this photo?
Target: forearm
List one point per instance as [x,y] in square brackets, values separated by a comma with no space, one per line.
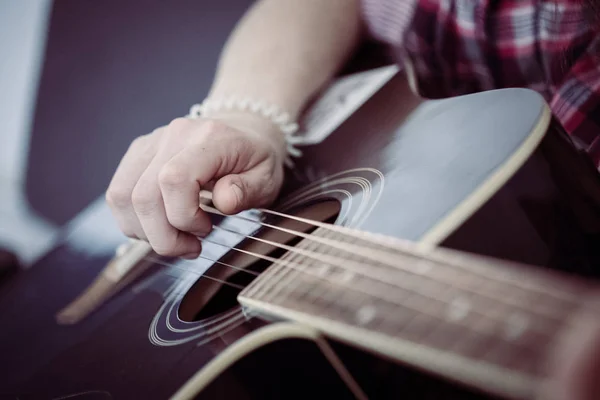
[283,51]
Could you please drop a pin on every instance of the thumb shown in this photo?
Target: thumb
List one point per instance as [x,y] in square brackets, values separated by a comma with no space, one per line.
[238,192]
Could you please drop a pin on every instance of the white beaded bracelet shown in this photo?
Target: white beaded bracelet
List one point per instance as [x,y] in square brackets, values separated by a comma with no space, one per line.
[269,111]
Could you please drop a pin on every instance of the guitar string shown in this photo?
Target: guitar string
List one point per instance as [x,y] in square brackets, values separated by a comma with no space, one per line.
[279,262]
[294,266]
[411,289]
[517,347]
[393,245]
[382,278]
[302,252]
[335,262]
[471,288]
[199,274]
[496,333]
[241,269]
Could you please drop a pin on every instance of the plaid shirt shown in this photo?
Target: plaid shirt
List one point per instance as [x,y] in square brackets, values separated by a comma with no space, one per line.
[456,47]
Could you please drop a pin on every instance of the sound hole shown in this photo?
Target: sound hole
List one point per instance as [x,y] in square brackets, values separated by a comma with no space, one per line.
[208,298]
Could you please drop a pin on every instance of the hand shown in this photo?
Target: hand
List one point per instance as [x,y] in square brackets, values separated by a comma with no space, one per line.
[154,194]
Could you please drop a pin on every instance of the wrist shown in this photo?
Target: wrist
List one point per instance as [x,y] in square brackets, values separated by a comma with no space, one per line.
[254,125]
[256,115]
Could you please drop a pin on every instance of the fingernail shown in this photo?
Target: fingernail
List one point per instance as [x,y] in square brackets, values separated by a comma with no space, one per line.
[190,256]
[238,193]
[201,234]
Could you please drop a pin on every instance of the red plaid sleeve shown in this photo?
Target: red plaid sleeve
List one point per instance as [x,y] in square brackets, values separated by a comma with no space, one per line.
[454,47]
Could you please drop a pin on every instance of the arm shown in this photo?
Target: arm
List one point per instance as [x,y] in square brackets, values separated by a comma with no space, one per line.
[547,46]
[281,52]
[466,47]
[455,47]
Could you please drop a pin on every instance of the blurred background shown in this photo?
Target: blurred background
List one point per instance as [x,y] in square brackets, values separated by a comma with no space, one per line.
[80,79]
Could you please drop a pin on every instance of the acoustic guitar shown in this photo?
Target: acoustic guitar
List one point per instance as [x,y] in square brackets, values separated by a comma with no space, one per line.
[440,249]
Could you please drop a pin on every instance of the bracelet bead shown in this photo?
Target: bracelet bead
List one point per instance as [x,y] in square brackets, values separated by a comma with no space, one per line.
[271,112]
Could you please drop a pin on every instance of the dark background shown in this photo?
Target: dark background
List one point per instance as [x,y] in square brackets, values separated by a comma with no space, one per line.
[113,70]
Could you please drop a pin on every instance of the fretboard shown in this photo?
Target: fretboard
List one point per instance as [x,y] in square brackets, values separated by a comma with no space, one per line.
[484,322]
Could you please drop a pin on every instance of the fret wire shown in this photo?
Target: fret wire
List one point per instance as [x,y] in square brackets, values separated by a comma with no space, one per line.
[283,289]
[272,275]
[291,276]
[432,323]
[392,244]
[416,292]
[471,344]
[466,265]
[439,284]
[404,304]
[489,291]
[389,309]
[288,283]
[473,290]
[445,334]
[492,306]
[402,316]
[528,358]
[403,271]
[477,292]
[508,276]
[491,336]
[268,276]
[311,246]
[299,266]
[526,338]
[278,275]
[502,299]
[538,303]
[482,293]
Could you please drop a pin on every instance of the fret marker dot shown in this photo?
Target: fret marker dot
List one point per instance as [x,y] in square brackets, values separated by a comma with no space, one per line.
[458,309]
[365,314]
[516,324]
[347,277]
[422,267]
[323,270]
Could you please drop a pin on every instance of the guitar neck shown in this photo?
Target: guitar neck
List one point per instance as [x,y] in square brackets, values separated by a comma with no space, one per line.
[486,323]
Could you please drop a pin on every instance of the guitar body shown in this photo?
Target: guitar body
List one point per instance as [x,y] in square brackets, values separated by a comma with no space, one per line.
[488,173]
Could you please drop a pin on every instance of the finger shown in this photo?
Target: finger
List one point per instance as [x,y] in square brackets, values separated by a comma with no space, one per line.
[180,192]
[118,195]
[254,188]
[194,168]
[148,204]
[148,201]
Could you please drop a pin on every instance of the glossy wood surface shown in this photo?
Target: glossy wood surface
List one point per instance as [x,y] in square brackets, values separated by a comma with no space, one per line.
[488,323]
[407,165]
[132,345]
